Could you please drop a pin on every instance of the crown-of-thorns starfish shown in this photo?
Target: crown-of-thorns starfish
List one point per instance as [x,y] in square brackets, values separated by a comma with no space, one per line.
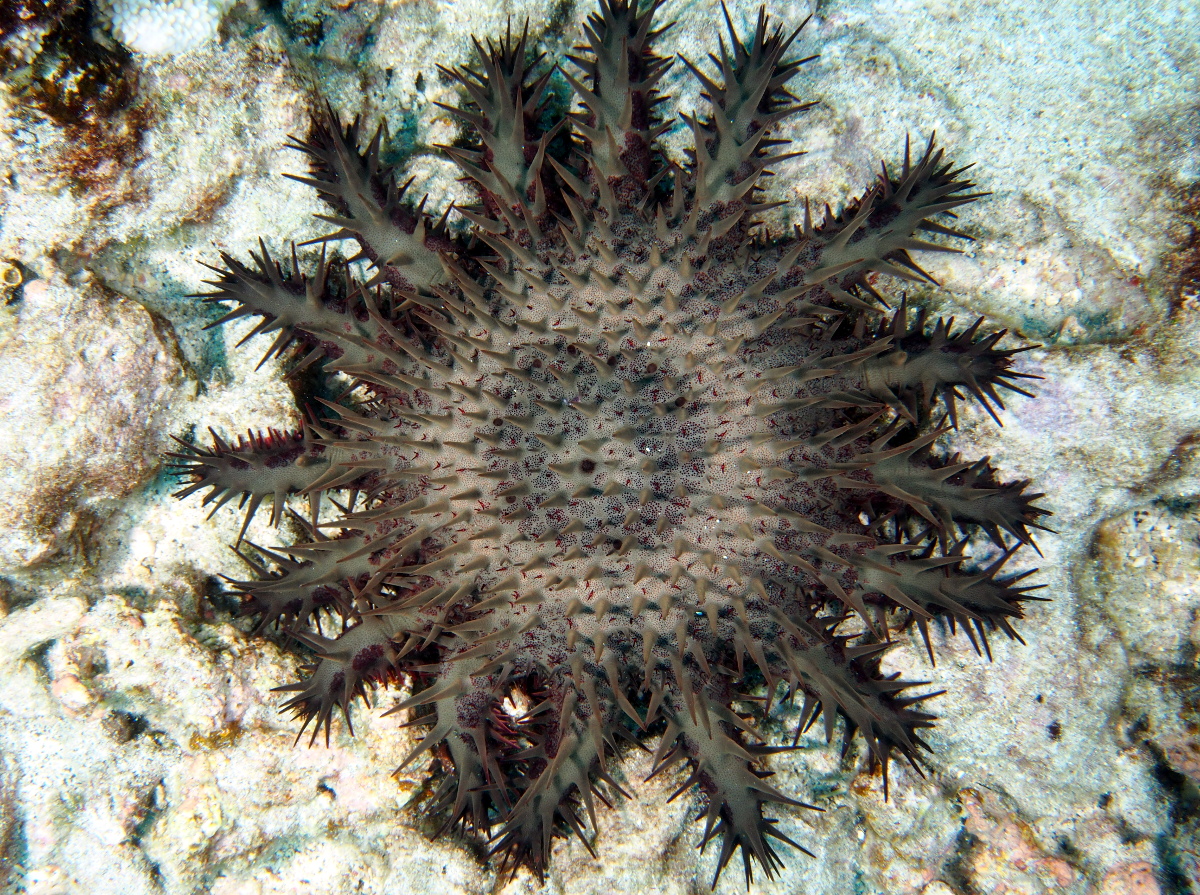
[614,453]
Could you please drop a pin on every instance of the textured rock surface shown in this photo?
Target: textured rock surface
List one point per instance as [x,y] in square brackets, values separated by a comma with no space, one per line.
[86,377]
[141,747]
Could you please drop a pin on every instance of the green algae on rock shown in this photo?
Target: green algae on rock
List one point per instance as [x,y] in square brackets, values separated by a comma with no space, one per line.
[618,456]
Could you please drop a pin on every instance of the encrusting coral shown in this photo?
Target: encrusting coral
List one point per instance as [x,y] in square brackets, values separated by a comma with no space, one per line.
[617,455]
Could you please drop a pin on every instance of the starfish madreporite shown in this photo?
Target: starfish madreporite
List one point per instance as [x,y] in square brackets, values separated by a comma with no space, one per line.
[614,453]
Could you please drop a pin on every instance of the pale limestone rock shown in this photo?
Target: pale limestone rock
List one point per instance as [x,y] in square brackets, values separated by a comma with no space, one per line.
[86,376]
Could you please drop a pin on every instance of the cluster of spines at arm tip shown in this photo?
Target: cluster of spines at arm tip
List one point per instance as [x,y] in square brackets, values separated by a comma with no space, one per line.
[856,423]
[732,146]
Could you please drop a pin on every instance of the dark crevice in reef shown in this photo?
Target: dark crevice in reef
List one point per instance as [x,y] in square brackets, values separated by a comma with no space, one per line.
[17,594]
[956,872]
[14,857]
[124,727]
[39,657]
[1183,797]
[1181,266]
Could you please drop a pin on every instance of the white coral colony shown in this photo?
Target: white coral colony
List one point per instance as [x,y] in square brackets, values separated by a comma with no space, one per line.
[163,27]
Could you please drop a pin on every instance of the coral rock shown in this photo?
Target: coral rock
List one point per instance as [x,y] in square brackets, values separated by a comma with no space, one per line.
[84,376]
